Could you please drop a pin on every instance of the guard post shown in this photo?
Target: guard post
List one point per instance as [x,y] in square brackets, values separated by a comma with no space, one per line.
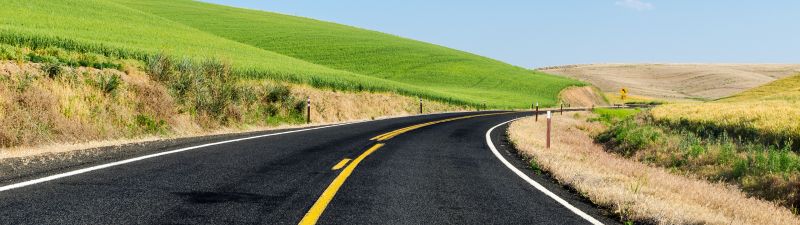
[549,124]
[308,109]
[420,105]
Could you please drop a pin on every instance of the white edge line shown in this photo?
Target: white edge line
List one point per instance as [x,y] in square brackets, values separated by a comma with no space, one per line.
[117,163]
[532,182]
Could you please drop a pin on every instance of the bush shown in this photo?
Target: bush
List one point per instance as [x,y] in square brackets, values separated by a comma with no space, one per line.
[108,83]
[53,70]
[150,125]
[277,93]
[210,89]
[160,67]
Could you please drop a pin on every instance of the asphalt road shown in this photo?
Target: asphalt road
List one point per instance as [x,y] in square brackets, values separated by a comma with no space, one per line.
[442,173]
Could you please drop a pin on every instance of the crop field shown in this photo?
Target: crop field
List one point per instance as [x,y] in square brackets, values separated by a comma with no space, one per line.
[695,82]
[263,45]
[770,113]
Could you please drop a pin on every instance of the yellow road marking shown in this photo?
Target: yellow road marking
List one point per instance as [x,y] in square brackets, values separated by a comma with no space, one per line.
[316,210]
[340,164]
[313,214]
[390,135]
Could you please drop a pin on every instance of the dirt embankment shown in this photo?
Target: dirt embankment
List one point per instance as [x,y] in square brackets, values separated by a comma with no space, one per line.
[46,109]
[583,97]
[677,81]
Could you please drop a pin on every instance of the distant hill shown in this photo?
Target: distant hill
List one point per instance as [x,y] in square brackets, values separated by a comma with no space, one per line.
[264,45]
[677,81]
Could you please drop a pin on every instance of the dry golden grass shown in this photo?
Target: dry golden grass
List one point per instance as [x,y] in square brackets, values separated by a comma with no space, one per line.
[39,114]
[632,189]
[582,97]
[773,108]
[328,106]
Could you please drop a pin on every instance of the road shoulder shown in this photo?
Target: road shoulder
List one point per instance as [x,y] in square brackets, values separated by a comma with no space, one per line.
[503,144]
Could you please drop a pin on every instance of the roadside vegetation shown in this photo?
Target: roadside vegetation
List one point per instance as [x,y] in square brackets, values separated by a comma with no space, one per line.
[51,95]
[648,173]
[766,171]
[55,96]
[268,46]
[769,114]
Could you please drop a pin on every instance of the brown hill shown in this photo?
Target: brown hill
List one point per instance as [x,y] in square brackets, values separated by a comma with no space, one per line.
[677,81]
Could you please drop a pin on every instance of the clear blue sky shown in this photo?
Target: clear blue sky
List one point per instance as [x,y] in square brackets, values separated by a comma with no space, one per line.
[540,33]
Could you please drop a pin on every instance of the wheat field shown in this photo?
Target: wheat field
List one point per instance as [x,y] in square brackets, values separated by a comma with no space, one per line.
[772,110]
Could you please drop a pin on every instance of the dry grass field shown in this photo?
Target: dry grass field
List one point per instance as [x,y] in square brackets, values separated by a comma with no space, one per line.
[634,190]
[677,82]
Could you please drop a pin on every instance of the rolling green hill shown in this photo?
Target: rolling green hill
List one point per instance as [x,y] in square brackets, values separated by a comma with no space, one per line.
[264,45]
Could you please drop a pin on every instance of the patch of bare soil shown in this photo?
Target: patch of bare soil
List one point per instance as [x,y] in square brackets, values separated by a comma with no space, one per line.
[582,97]
[677,81]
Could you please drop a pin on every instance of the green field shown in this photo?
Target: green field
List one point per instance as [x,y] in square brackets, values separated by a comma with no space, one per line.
[614,115]
[263,45]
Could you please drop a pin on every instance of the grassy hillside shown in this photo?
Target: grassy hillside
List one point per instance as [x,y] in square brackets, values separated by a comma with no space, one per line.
[266,45]
[110,28]
[770,113]
[787,89]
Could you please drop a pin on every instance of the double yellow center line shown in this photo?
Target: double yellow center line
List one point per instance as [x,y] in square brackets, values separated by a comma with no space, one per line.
[400,131]
[313,214]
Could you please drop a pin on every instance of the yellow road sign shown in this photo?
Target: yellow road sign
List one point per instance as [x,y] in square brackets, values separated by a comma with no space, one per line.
[623,93]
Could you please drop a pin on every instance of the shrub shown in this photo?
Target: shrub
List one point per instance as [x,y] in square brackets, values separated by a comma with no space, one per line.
[150,125]
[160,67]
[53,70]
[270,110]
[108,83]
[277,93]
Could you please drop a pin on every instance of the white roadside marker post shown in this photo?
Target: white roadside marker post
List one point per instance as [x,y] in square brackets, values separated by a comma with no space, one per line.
[308,109]
[420,105]
[548,128]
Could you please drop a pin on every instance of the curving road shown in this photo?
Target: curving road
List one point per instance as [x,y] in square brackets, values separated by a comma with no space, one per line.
[430,169]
